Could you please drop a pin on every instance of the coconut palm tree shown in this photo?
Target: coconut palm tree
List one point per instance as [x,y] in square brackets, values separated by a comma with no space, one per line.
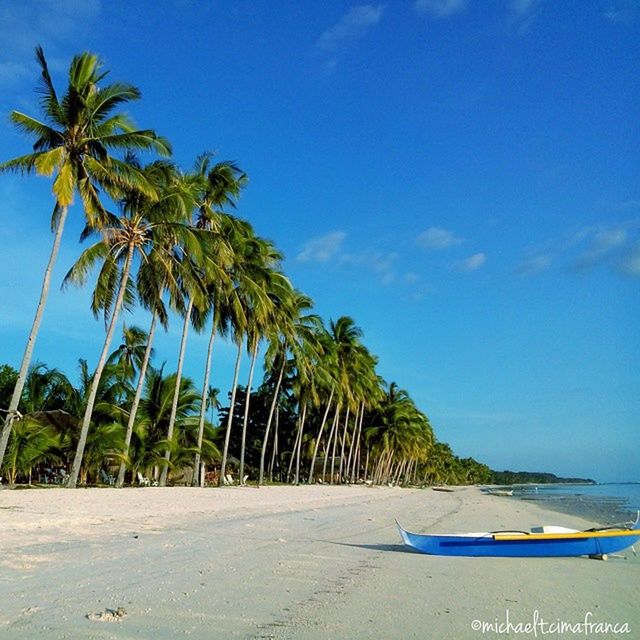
[149,443]
[222,184]
[291,321]
[346,336]
[159,273]
[129,355]
[246,301]
[73,141]
[263,265]
[130,236]
[213,187]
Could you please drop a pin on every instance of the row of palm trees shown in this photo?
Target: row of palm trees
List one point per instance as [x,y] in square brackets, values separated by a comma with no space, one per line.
[170,241]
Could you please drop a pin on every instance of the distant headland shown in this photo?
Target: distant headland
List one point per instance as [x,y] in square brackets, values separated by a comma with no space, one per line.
[534,477]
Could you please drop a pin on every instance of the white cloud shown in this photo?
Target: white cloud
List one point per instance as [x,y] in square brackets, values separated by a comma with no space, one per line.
[437,238]
[522,14]
[618,16]
[535,264]
[630,263]
[440,8]
[603,244]
[586,248]
[381,263]
[472,263]
[522,7]
[322,248]
[353,25]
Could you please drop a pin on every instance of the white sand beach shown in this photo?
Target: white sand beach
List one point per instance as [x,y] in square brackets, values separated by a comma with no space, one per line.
[283,562]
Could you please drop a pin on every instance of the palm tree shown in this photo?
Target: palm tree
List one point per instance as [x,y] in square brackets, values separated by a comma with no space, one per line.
[129,355]
[149,443]
[291,321]
[213,187]
[221,186]
[327,365]
[346,336]
[132,234]
[158,274]
[260,304]
[73,141]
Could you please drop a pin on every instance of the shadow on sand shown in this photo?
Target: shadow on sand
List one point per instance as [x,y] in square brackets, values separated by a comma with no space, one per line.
[397,548]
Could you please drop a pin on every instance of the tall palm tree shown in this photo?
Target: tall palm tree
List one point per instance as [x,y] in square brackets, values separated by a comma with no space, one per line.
[158,274]
[131,235]
[260,306]
[213,187]
[222,184]
[246,294]
[327,366]
[346,336]
[73,141]
[291,320]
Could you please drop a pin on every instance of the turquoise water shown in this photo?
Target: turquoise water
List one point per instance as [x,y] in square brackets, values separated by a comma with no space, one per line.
[605,503]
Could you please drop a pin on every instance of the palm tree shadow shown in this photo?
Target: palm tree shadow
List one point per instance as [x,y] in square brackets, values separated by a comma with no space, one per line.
[397,548]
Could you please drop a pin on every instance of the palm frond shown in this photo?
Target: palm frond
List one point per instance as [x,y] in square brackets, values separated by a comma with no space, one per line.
[103,101]
[64,184]
[48,96]
[48,161]
[47,136]
[79,272]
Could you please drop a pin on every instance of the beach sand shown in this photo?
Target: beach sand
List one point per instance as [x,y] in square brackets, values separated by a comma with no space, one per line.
[284,562]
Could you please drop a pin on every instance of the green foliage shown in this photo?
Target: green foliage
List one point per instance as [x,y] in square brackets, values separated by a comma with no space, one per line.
[532,477]
[8,378]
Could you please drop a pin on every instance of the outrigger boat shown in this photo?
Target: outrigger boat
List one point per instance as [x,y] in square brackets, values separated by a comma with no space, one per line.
[547,541]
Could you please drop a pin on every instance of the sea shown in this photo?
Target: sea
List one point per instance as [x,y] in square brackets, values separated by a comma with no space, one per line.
[607,503]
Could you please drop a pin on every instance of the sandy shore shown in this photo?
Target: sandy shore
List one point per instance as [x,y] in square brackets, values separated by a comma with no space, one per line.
[283,562]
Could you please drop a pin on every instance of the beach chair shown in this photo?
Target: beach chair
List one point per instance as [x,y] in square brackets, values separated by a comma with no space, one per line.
[244,480]
[228,479]
[107,478]
[143,481]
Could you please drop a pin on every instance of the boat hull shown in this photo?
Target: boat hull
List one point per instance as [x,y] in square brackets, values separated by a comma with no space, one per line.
[486,545]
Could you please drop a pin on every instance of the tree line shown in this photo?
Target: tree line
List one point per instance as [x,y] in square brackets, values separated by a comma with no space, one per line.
[171,242]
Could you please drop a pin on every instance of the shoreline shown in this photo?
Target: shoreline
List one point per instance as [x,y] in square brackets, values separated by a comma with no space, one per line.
[603,509]
[309,563]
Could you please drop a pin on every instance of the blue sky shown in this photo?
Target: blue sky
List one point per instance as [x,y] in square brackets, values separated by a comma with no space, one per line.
[460,177]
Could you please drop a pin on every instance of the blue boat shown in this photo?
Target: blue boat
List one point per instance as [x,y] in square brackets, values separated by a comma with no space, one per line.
[540,542]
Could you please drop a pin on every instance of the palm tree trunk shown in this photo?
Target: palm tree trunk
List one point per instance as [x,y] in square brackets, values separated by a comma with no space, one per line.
[347,469]
[31,340]
[245,421]
[274,453]
[366,466]
[203,404]
[274,402]
[387,472]
[344,441]
[302,421]
[358,435]
[315,449]
[223,466]
[295,448]
[136,400]
[329,440]
[176,394]
[95,381]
